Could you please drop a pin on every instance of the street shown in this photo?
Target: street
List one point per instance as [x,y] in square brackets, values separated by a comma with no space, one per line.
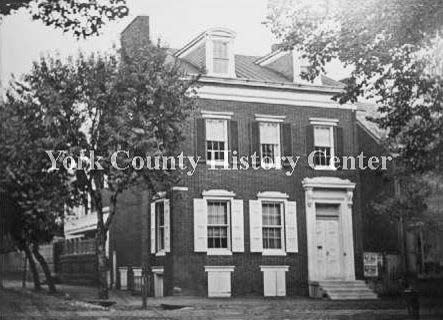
[26,304]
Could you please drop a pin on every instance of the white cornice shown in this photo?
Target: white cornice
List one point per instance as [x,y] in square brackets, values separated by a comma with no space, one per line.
[217,114]
[219,268]
[270,95]
[269,118]
[272,195]
[218,193]
[328,183]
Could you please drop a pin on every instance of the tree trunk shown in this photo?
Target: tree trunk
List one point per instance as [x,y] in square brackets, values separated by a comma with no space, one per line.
[45,268]
[102,264]
[25,271]
[33,267]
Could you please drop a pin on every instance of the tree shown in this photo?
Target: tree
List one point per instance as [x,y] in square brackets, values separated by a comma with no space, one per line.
[392,47]
[38,196]
[100,106]
[81,17]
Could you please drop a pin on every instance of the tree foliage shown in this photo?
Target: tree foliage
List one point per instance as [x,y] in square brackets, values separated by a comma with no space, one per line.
[395,54]
[81,17]
[38,195]
[103,104]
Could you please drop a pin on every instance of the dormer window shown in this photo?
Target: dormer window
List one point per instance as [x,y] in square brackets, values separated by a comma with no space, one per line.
[212,51]
[220,57]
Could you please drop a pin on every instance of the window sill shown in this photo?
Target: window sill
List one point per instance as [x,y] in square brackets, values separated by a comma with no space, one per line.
[217,164]
[325,168]
[219,252]
[160,254]
[273,253]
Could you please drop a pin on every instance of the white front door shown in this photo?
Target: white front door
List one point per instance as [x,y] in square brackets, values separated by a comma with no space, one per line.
[328,247]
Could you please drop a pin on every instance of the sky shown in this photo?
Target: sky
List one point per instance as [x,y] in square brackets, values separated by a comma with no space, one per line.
[175,21]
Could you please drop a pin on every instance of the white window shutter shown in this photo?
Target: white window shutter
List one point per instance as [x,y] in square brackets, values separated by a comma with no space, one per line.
[255,222]
[291,226]
[152,227]
[280,283]
[200,225]
[167,217]
[269,285]
[238,241]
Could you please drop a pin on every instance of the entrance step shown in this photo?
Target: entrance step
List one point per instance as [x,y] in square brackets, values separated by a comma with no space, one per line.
[342,290]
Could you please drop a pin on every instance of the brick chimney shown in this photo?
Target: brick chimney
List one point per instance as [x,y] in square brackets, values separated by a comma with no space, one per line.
[135,35]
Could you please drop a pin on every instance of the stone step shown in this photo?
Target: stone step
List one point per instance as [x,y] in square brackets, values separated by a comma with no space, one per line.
[347,290]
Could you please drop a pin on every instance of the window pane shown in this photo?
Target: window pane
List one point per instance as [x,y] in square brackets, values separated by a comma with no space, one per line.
[322,156]
[322,136]
[215,150]
[220,49]
[216,130]
[221,66]
[160,226]
[217,213]
[217,224]
[269,133]
[272,225]
[271,214]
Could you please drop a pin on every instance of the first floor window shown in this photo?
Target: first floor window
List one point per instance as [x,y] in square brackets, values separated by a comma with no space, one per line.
[272,225]
[323,145]
[160,226]
[218,225]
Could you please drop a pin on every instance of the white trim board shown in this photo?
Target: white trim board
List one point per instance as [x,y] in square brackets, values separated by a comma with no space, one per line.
[270,96]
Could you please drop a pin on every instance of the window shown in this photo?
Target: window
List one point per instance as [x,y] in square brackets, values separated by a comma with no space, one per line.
[218,225]
[270,143]
[217,140]
[160,226]
[220,57]
[272,225]
[323,145]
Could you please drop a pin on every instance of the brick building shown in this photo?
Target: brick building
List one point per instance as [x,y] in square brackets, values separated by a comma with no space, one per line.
[245,231]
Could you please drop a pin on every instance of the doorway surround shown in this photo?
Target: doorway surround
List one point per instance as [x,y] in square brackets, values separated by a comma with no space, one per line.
[330,191]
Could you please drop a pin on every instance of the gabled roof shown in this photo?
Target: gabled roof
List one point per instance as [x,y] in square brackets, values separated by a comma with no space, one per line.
[247,68]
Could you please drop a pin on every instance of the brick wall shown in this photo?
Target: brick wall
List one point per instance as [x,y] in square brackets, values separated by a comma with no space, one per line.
[186,268]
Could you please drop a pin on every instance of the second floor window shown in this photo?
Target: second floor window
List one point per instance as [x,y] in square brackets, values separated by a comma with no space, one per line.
[272,225]
[323,145]
[220,57]
[216,140]
[160,226]
[218,225]
[270,143]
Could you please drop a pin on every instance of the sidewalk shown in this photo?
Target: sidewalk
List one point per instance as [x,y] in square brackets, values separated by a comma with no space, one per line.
[70,302]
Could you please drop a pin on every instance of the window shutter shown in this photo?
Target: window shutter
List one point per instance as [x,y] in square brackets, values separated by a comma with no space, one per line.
[338,144]
[309,141]
[269,285]
[280,276]
[167,215]
[153,227]
[200,225]
[238,243]
[255,222]
[286,139]
[200,138]
[233,136]
[291,226]
[255,139]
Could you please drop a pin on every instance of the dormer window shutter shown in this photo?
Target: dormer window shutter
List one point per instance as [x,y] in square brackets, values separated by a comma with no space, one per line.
[200,132]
